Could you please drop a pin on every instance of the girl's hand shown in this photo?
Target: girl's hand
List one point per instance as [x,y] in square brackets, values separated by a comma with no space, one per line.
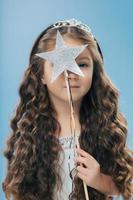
[90,174]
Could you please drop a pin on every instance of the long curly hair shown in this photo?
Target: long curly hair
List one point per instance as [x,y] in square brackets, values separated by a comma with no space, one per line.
[32,149]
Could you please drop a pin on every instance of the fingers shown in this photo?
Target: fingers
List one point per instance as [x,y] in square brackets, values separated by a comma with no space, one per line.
[82,170]
[81,176]
[82,160]
[86,159]
[84,153]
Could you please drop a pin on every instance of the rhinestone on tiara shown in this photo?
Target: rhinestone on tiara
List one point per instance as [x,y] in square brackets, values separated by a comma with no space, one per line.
[73,22]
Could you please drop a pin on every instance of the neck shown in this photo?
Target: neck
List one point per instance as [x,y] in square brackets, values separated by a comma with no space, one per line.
[63,115]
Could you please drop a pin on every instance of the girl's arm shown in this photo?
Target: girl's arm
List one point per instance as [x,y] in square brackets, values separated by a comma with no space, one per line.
[106,185]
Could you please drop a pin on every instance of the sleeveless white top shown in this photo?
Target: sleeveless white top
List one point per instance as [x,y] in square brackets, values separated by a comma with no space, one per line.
[67,165]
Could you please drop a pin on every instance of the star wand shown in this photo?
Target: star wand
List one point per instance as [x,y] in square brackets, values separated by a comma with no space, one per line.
[63,58]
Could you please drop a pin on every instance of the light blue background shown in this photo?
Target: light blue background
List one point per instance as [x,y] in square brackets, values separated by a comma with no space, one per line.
[22,21]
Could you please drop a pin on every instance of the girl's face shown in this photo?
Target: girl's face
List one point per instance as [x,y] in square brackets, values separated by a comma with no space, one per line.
[79,85]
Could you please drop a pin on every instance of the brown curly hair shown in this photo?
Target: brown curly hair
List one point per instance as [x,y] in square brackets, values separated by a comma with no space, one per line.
[33,147]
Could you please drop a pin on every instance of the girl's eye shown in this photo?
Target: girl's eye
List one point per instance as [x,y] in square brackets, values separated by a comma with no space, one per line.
[83,65]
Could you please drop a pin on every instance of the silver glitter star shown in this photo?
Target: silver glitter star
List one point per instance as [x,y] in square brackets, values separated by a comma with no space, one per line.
[63,57]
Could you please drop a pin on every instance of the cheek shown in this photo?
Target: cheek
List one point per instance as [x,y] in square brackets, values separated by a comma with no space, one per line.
[88,76]
[87,81]
[54,87]
[48,79]
[48,72]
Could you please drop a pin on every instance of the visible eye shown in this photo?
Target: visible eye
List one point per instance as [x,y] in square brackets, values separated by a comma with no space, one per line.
[83,65]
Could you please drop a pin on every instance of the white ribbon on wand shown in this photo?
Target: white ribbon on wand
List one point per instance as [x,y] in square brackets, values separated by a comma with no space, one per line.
[73,123]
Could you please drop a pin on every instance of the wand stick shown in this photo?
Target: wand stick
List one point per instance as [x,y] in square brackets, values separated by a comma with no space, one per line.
[73,123]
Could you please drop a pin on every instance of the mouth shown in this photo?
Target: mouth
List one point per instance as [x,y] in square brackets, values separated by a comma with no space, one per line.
[73,86]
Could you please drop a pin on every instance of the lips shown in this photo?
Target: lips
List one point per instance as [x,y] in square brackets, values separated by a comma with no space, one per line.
[73,86]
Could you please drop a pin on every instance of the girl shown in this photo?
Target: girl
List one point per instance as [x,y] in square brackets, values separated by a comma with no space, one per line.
[40,150]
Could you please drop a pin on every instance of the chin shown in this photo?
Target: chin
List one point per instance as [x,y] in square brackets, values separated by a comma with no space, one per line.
[75,99]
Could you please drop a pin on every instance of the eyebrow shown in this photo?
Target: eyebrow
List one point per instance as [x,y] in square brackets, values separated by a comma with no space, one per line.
[84,57]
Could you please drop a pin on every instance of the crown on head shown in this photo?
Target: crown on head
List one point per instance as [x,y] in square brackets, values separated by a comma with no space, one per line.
[73,22]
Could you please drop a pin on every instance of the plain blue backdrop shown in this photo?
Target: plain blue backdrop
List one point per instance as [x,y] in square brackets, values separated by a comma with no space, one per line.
[22,21]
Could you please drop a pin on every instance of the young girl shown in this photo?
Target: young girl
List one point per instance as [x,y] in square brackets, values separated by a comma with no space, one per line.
[42,164]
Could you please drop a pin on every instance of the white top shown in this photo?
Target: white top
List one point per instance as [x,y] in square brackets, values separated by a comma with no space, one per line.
[67,164]
[64,162]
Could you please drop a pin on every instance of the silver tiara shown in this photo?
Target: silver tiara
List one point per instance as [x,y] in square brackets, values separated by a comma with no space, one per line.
[73,22]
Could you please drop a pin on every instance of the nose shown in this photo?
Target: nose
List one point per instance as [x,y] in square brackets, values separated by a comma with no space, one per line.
[72,75]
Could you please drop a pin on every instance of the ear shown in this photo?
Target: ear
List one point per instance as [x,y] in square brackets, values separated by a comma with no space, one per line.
[43,80]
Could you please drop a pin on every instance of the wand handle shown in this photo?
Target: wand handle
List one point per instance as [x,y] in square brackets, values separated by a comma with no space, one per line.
[73,123]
